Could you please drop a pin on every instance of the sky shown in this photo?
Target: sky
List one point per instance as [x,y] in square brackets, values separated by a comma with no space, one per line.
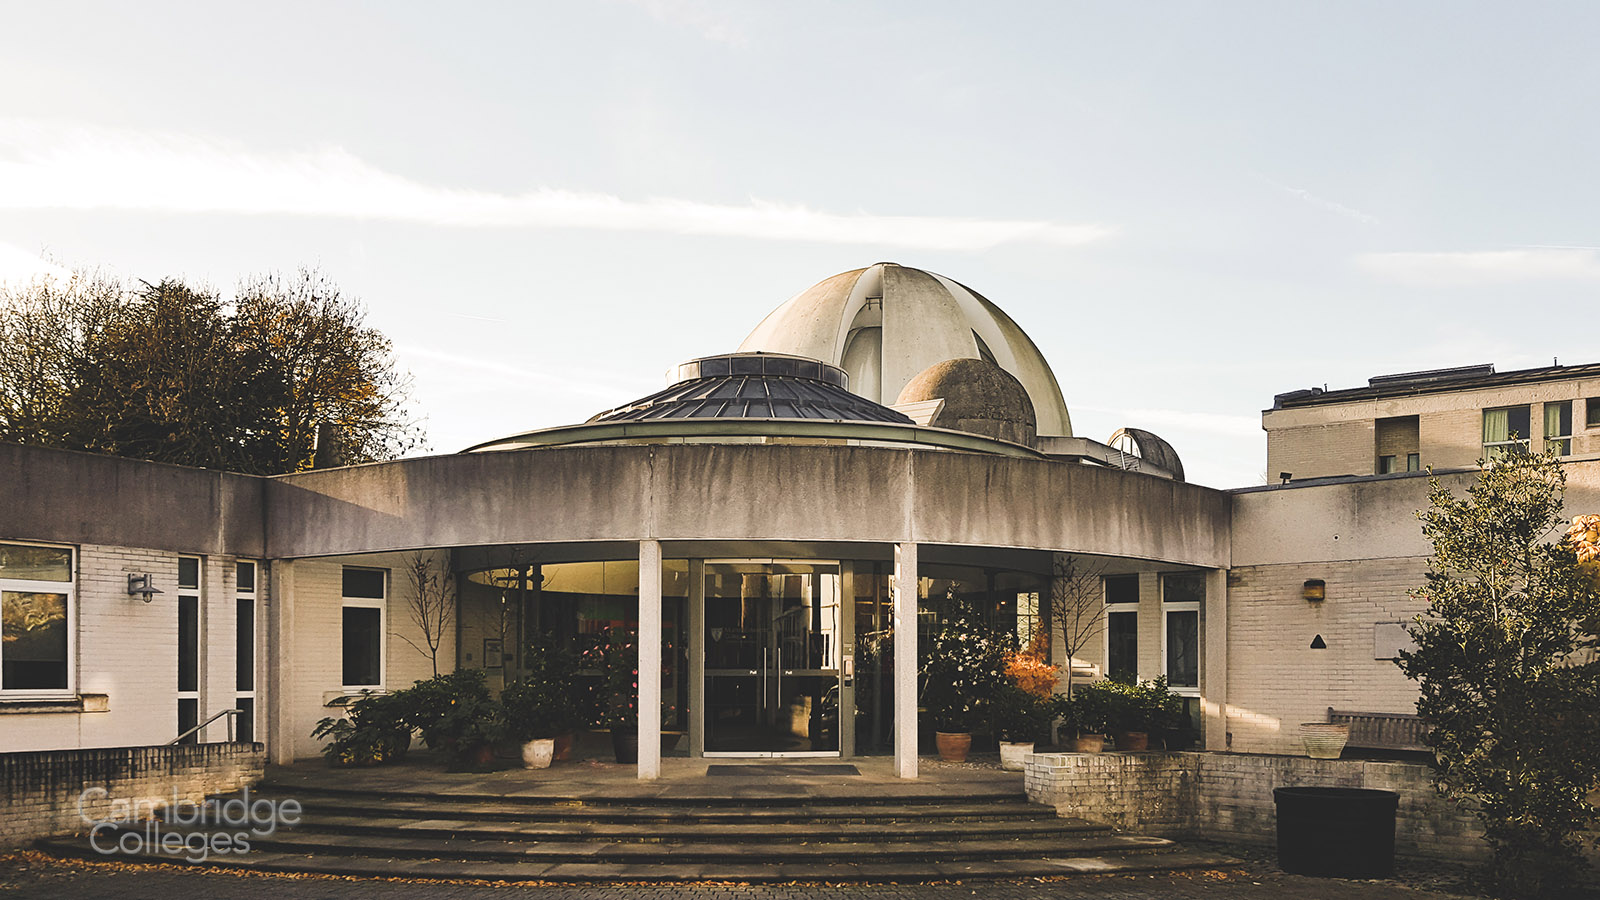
[1189,206]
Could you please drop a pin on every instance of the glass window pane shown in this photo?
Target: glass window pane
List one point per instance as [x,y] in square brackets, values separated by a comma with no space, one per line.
[1122,589]
[245,676]
[1183,587]
[34,629]
[1591,408]
[710,368]
[189,717]
[1518,418]
[1183,648]
[1122,645]
[363,642]
[364,584]
[1496,426]
[188,572]
[188,643]
[245,728]
[246,579]
[35,563]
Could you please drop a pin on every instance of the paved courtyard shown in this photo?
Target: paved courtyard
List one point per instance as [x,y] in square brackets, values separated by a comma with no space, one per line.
[31,875]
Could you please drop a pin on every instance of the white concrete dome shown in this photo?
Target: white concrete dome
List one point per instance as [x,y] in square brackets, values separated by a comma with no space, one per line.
[887,323]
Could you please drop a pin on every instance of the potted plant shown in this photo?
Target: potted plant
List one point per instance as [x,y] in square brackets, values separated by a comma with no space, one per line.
[1087,714]
[1020,716]
[1139,709]
[456,714]
[542,705]
[963,667]
[616,705]
[375,731]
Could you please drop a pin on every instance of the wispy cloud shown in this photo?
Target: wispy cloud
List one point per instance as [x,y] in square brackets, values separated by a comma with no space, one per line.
[1467,268]
[50,166]
[711,20]
[1324,203]
[19,267]
[1155,419]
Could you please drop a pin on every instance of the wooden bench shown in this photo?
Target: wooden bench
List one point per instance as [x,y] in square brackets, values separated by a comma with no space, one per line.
[1382,731]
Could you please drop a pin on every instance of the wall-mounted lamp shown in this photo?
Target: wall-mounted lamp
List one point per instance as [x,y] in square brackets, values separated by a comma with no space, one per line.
[1314,590]
[142,586]
[1285,476]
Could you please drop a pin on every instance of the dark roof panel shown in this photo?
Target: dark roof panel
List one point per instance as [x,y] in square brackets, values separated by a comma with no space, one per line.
[777,388]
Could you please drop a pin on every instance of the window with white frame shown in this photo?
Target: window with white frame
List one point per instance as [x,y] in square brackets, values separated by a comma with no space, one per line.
[1505,431]
[1181,596]
[245,654]
[36,626]
[365,596]
[1558,428]
[188,646]
[1122,626]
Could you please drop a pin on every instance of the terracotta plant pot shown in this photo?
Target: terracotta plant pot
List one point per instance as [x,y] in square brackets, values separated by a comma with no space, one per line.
[563,751]
[1013,756]
[1089,743]
[1133,740]
[537,753]
[1323,740]
[953,747]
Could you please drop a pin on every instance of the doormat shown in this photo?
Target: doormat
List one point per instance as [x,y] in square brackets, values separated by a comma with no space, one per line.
[781,769]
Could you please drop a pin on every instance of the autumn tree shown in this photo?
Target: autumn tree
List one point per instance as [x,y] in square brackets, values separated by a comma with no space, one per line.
[176,373]
[1506,669]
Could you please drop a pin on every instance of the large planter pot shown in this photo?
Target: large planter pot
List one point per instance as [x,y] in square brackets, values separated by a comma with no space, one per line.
[625,744]
[953,746]
[563,750]
[1336,832]
[1133,740]
[1089,743]
[537,753]
[1323,740]
[1013,755]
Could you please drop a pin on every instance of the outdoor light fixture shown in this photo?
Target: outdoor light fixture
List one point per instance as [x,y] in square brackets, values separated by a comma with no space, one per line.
[142,586]
[1285,476]
[1314,590]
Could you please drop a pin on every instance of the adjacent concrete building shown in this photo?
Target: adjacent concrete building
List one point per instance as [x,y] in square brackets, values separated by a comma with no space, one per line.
[780,523]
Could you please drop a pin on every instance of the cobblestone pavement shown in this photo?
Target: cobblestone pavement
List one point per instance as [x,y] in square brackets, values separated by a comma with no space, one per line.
[32,875]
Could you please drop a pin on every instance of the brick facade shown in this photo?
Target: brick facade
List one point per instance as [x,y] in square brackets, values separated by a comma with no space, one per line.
[42,789]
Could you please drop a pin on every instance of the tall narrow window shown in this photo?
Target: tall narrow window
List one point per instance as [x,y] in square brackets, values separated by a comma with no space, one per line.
[1505,430]
[1122,626]
[245,654]
[1591,412]
[36,634]
[365,591]
[188,646]
[1181,596]
[1558,428]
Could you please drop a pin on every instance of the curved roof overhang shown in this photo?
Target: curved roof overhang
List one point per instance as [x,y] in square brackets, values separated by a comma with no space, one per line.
[708,430]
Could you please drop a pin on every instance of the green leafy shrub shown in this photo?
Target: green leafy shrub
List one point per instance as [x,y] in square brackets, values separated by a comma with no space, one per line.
[963,668]
[616,695]
[455,713]
[377,730]
[1021,716]
[544,702]
[1506,669]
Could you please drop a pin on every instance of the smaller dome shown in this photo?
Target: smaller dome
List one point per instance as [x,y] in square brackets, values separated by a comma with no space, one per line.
[1148,446]
[979,397]
[755,386]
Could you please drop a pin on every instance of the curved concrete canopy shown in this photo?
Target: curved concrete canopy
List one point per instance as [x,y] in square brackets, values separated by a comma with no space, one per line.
[886,323]
[742,492]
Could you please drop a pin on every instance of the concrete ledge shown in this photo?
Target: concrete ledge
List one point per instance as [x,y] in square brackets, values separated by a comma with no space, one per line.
[1228,796]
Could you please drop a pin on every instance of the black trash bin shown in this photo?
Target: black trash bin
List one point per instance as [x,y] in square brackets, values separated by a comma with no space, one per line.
[1336,832]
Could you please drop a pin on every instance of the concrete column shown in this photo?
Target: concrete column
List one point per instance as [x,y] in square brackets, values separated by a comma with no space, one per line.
[905,659]
[282,665]
[1214,664]
[649,659]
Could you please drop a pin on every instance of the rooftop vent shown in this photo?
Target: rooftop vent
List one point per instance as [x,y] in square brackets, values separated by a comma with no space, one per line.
[1431,376]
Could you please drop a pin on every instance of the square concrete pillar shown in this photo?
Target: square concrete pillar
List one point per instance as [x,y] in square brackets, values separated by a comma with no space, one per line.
[649,659]
[905,659]
[282,668]
[1214,667]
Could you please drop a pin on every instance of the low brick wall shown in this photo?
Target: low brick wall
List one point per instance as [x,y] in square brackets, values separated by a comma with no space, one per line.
[40,790]
[1228,796]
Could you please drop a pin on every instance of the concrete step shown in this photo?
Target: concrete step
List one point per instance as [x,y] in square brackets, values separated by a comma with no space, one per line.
[434,824]
[831,869]
[681,814]
[710,795]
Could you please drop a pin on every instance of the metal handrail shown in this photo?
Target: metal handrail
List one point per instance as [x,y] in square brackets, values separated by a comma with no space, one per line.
[232,715]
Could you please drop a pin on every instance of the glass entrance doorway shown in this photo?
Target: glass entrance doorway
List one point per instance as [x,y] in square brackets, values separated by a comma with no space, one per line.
[773,645]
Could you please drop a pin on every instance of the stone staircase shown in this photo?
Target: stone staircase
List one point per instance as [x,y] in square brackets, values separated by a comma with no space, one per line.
[842,835]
